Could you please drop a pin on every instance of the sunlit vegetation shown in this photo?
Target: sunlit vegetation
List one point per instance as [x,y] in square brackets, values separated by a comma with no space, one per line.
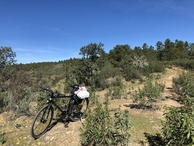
[100,70]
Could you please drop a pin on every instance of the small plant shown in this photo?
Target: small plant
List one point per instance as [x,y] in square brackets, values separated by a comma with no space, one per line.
[183,85]
[117,92]
[2,138]
[178,127]
[149,94]
[101,129]
[122,126]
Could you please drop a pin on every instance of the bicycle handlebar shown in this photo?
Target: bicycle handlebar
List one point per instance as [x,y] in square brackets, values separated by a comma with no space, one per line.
[46,90]
[54,94]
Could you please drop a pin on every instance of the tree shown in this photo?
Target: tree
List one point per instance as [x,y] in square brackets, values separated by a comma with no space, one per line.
[191,50]
[6,69]
[6,57]
[171,51]
[182,48]
[168,50]
[119,53]
[149,52]
[92,51]
[160,47]
[6,61]
[138,51]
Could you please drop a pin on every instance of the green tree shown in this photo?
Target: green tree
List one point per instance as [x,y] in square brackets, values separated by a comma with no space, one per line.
[182,48]
[119,53]
[160,48]
[168,52]
[149,52]
[191,51]
[92,51]
[7,57]
[6,70]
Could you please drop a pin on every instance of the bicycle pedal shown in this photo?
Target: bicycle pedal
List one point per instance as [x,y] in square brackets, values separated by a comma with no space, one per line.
[81,119]
[66,124]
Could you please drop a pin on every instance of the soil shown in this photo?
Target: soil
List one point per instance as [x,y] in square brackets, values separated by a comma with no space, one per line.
[17,129]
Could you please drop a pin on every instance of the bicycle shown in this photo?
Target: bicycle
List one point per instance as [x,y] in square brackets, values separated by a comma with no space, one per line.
[42,121]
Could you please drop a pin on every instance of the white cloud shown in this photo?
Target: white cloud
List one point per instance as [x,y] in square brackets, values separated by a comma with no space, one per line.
[33,50]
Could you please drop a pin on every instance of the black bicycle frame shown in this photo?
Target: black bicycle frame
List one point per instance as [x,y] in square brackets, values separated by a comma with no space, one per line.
[51,102]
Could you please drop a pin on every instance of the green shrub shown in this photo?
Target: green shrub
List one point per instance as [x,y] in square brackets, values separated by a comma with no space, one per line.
[122,125]
[2,138]
[178,126]
[117,92]
[101,129]
[156,66]
[149,94]
[184,85]
[185,63]
[130,72]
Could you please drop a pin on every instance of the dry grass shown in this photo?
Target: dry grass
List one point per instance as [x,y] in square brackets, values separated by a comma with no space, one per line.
[143,121]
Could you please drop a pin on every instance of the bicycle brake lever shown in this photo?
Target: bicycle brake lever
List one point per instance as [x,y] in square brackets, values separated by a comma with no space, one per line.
[55,95]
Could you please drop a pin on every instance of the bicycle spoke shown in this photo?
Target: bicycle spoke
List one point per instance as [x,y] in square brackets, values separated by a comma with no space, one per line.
[79,111]
[42,121]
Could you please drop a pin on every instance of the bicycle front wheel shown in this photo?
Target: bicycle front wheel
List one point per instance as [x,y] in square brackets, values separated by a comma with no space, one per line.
[79,110]
[42,121]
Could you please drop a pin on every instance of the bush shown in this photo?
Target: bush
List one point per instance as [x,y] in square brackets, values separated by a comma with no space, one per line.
[178,128]
[101,129]
[149,94]
[186,63]
[117,92]
[130,72]
[184,85]
[156,66]
[2,138]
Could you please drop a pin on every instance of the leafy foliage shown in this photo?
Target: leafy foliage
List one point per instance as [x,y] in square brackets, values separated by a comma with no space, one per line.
[6,62]
[118,91]
[2,138]
[149,94]
[100,128]
[178,127]
[184,85]
[95,70]
[92,51]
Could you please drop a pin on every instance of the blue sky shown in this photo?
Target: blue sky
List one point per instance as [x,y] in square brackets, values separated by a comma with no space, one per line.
[53,30]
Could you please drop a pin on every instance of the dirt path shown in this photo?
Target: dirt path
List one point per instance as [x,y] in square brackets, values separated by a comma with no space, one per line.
[61,136]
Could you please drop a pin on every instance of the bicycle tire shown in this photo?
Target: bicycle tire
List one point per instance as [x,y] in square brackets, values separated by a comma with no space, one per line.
[79,110]
[42,121]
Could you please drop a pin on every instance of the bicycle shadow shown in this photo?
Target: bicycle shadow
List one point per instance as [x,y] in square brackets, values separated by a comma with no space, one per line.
[153,140]
[53,124]
[61,120]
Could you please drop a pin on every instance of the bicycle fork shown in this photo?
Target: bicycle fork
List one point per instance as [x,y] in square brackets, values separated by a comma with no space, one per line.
[45,115]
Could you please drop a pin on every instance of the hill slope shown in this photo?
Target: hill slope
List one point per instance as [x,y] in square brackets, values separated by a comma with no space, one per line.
[17,132]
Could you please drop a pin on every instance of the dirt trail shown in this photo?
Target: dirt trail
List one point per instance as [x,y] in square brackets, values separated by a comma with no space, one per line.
[18,131]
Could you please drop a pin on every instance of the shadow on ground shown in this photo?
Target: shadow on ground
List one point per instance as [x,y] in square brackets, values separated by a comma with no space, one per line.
[153,140]
[66,123]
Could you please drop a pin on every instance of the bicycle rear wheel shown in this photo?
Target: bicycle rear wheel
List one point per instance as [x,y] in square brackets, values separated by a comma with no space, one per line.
[42,121]
[79,110]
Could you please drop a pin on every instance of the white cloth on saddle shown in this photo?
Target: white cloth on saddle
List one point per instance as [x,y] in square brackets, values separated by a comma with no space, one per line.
[82,93]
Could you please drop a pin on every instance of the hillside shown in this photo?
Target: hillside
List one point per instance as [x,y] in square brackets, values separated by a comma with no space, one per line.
[17,129]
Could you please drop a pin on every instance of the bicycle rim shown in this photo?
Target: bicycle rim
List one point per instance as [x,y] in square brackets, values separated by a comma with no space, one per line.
[42,121]
[79,111]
